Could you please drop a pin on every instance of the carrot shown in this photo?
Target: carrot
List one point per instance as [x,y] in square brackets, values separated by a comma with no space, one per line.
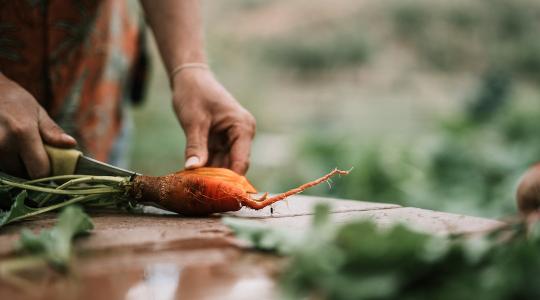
[198,192]
[205,191]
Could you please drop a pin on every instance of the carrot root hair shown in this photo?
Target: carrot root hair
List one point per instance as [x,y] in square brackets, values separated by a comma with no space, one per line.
[265,201]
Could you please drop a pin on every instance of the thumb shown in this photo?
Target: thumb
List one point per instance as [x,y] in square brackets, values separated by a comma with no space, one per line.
[196,148]
[52,134]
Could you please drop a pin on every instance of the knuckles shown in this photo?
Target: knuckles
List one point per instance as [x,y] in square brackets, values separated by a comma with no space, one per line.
[19,129]
[244,123]
[249,119]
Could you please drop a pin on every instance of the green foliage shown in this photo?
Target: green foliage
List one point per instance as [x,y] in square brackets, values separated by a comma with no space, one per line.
[259,237]
[492,96]
[527,59]
[357,260]
[319,52]
[55,245]
[378,169]
[470,164]
[251,4]
[478,159]
[18,209]
[21,199]
[410,19]
[465,35]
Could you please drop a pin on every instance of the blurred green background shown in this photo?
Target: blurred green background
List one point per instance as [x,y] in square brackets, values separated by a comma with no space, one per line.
[434,103]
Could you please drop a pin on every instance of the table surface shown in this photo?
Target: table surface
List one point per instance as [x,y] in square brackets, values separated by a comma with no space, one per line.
[158,255]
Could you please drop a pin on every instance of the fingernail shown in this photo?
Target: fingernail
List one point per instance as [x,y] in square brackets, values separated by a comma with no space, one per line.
[68,138]
[192,162]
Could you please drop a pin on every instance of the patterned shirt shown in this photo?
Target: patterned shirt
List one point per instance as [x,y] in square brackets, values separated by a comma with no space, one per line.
[75,57]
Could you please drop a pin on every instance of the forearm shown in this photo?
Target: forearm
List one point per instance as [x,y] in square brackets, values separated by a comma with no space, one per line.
[177,27]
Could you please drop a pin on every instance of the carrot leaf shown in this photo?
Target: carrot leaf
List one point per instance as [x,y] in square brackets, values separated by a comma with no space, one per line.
[360,260]
[55,244]
[262,237]
[18,209]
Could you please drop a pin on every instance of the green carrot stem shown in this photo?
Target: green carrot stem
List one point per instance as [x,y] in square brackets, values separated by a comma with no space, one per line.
[81,180]
[96,179]
[56,206]
[89,191]
[55,178]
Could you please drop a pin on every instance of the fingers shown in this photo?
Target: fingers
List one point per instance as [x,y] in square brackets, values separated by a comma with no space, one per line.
[21,145]
[31,150]
[196,147]
[218,159]
[52,134]
[13,167]
[239,155]
[24,127]
[22,150]
[10,162]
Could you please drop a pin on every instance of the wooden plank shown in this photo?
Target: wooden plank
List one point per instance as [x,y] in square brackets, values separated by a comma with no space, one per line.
[300,205]
[422,220]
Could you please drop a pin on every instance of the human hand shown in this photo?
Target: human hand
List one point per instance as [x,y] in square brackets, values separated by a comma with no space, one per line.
[24,127]
[218,129]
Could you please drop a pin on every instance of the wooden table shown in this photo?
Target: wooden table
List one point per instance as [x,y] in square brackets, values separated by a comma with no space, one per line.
[158,255]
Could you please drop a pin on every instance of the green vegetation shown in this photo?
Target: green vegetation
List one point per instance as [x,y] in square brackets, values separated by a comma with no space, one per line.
[318,52]
[357,260]
[471,166]
[464,35]
[51,247]
[22,199]
[55,244]
[434,104]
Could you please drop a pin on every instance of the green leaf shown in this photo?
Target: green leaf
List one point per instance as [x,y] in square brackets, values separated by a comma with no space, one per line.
[18,210]
[359,260]
[55,244]
[263,237]
[321,215]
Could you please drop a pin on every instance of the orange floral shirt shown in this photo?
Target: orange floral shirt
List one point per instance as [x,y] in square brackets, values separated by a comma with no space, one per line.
[75,58]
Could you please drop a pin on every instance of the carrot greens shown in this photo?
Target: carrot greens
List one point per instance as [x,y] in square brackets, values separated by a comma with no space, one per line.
[54,245]
[21,199]
[358,260]
[51,247]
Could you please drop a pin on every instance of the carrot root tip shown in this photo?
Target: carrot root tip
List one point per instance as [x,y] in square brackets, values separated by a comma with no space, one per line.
[265,201]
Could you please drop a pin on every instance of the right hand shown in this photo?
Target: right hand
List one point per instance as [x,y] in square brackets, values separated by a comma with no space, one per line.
[24,127]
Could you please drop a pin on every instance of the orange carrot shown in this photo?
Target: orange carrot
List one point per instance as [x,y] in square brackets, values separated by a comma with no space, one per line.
[205,191]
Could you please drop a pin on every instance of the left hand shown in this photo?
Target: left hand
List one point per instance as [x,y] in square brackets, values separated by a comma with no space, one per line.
[218,130]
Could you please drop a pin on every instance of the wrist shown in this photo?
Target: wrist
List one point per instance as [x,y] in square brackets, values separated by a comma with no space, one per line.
[187,72]
[195,54]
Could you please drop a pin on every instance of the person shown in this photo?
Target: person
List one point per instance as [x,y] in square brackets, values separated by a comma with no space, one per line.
[68,66]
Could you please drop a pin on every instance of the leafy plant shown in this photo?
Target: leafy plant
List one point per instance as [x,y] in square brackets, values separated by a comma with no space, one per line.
[469,164]
[54,245]
[471,35]
[21,199]
[311,54]
[51,247]
[357,260]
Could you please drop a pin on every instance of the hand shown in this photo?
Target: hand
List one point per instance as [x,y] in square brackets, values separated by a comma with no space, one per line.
[24,127]
[218,129]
